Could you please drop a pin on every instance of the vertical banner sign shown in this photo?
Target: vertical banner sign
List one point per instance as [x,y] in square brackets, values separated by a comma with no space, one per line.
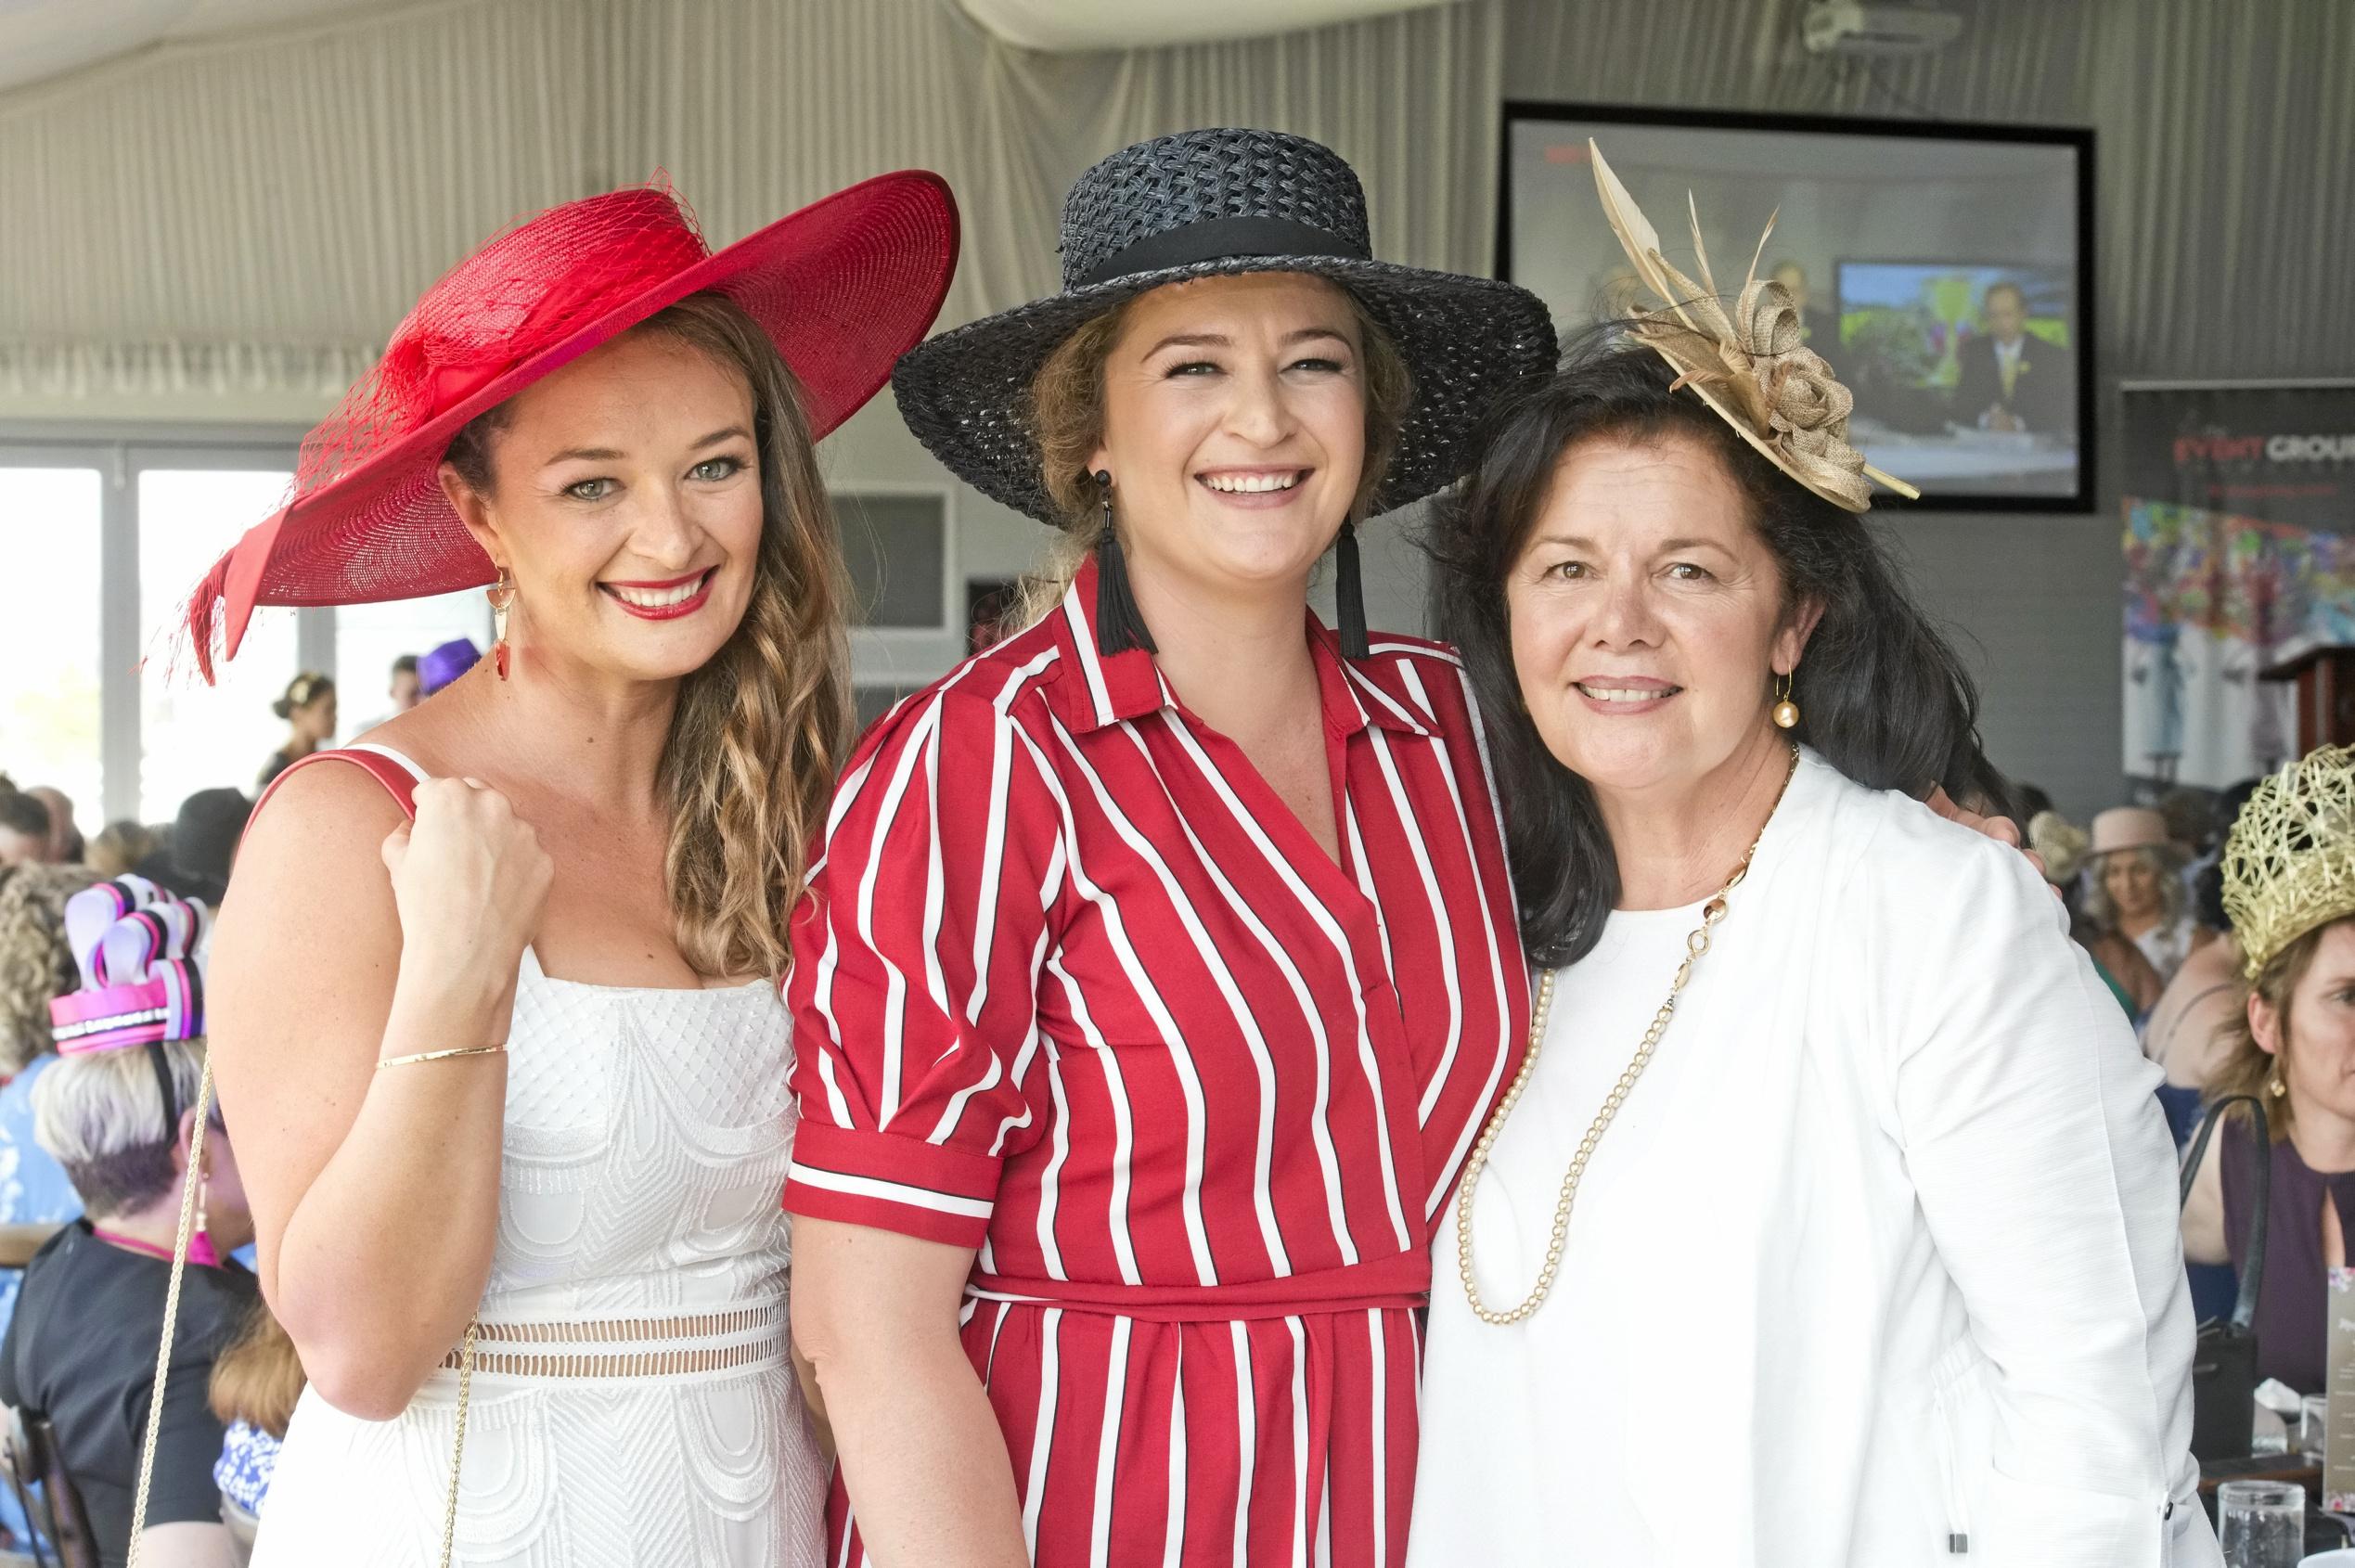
[2240,556]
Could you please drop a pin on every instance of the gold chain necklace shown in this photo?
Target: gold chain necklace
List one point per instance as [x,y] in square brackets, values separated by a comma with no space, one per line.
[1696,944]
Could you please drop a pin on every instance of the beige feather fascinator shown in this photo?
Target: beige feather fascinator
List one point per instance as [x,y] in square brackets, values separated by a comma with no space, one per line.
[1749,364]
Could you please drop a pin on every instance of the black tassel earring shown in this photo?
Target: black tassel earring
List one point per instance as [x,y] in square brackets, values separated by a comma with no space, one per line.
[1119,624]
[1349,595]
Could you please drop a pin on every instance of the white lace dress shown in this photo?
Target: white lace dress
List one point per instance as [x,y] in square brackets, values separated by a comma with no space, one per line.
[646,1138]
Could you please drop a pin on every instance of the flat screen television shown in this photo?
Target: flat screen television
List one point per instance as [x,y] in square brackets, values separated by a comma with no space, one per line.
[1945,270]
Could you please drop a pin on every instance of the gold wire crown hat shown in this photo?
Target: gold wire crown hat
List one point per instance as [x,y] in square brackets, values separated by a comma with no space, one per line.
[2289,862]
[1747,365]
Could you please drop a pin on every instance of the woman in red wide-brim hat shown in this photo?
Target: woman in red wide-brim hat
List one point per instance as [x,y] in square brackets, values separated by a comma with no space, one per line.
[496,1001]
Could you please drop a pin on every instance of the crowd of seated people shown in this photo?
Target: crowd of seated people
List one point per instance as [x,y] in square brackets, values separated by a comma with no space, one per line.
[119,1112]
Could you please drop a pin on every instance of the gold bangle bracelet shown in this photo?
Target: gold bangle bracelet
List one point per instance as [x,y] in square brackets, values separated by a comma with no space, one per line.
[439,1056]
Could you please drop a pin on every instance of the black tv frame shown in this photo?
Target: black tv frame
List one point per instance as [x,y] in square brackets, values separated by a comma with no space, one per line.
[2077,139]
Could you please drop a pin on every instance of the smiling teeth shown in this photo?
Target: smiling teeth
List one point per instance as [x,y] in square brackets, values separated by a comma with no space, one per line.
[1250,484]
[658,598]
[1622,694]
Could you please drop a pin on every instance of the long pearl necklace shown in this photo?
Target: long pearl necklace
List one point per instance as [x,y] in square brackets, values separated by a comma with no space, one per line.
[1696,944]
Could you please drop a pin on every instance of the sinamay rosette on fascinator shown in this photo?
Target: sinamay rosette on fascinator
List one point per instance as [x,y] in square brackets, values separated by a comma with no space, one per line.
[2289,862]
[1746,362]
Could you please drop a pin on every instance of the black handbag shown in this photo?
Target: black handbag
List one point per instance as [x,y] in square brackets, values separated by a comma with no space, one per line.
[2224,1359]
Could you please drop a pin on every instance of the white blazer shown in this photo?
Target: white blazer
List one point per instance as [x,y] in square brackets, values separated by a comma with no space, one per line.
[1900,1253]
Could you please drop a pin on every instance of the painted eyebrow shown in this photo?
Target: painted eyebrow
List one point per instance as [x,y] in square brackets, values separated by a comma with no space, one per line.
[1220,340]
[1666,546]
[608,454]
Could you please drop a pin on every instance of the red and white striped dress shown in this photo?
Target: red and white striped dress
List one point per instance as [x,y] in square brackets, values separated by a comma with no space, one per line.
[1076,989]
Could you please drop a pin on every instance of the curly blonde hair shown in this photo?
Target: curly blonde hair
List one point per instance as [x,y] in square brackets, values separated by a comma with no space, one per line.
[759,731]
[1066,417]
[2101,910]
[36,963]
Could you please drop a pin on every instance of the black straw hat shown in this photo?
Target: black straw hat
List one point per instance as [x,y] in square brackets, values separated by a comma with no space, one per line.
[1212,203]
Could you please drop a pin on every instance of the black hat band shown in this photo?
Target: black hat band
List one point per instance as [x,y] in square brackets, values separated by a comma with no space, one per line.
[1217,239]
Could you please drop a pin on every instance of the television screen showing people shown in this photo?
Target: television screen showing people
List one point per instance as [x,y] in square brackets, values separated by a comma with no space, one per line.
[1939,273]
[1971,371]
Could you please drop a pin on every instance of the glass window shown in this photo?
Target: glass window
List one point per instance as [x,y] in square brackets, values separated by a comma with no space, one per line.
[194,737]
[49,536]
[369,636]
[896,548]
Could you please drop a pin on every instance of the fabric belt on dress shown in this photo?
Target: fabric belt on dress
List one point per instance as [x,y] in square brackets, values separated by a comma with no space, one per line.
[1399,1281]
[630,1347]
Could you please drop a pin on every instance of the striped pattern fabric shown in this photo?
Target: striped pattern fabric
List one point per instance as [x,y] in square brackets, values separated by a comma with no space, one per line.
[1076,989]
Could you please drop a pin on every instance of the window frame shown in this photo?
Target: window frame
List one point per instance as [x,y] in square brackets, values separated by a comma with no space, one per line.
[119,451]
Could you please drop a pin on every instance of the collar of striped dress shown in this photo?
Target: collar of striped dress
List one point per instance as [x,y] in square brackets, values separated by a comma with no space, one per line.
[1090,691]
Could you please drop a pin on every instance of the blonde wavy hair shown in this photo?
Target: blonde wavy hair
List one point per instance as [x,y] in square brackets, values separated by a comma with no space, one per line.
[1066,417]
[759,731]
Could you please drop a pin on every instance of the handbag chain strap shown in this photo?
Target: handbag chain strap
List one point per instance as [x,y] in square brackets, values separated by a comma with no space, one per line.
[2253,1262]
[171,1321]
[170,1309]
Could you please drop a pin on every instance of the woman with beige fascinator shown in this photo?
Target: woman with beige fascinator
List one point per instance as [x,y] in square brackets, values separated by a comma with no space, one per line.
[1831,1168]
[2290,887]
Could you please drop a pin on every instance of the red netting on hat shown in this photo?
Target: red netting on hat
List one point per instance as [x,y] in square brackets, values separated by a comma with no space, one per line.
[843,287]
[526,291]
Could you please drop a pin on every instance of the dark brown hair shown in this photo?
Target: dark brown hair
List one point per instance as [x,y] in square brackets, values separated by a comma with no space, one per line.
[1880,695]
[301,692]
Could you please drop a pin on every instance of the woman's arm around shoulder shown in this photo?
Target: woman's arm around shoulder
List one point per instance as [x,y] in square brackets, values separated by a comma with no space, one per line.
[2046,1179]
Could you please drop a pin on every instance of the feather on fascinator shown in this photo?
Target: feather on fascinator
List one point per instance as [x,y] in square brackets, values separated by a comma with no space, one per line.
[1747,364]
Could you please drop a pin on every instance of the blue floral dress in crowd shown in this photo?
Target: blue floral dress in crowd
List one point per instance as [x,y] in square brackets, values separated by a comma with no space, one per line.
[248,1456]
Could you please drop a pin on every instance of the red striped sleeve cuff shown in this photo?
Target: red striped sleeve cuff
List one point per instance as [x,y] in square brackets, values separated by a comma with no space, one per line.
[892,1183]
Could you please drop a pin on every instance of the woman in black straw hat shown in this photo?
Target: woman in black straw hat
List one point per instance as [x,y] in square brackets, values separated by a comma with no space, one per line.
[1161,963]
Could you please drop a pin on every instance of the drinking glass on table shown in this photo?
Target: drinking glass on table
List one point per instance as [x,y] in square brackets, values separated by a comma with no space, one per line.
[2263,1523]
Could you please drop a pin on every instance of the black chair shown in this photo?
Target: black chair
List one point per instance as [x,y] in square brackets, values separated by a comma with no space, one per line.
[29,1453]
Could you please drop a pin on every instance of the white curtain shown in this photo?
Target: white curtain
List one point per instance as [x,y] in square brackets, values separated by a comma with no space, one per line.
[257,212]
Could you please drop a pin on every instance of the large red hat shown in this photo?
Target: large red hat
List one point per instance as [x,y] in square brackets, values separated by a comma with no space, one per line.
[843,287]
